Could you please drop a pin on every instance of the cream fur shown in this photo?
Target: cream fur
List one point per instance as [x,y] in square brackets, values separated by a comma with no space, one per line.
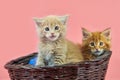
[58,50]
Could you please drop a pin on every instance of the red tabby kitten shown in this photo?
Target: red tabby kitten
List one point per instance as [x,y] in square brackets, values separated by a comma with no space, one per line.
[95,43]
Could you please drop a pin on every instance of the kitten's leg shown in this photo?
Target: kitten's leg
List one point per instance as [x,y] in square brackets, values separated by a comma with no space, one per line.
[40,60]
[51,61]
[57,57]
[60,57]
[50,58]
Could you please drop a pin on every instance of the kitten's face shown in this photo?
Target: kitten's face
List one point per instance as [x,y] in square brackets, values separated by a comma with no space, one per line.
[96,42]
[51,27]
[52,33]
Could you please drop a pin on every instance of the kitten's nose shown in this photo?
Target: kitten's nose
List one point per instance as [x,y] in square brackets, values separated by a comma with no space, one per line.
[52,34]
[97,49]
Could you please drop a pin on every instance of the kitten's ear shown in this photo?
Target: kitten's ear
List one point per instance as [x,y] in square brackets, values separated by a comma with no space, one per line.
[86,34]
[106,33]
[63,19]
[38,21]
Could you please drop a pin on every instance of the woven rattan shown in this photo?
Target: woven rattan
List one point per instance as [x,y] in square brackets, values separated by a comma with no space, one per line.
[19,69]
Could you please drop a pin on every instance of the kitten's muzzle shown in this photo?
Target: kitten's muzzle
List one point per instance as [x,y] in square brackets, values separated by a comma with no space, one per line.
[52,34]
[97,52]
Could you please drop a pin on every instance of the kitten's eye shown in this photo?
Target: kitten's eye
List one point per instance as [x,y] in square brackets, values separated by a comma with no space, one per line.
[46,29]
[92,44]
[56,28]
[101,43]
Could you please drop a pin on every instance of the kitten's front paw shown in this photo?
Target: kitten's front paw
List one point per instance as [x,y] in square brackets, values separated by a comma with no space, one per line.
[40,65]
[57,63]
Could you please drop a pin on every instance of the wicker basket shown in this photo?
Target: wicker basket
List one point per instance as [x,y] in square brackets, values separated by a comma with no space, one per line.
[19,69]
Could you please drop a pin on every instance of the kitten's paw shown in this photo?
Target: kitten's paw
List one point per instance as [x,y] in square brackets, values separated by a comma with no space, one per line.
[57,64]
[51,65]
[40,65]
[54,64]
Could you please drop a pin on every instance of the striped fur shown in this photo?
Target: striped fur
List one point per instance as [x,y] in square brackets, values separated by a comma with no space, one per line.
[55,50]
[95,43]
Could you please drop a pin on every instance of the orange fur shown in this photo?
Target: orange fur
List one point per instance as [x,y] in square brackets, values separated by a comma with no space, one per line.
[73,53]
[93,42]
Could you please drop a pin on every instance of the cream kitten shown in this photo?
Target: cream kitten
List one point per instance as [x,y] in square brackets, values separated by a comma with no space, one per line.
[54,49]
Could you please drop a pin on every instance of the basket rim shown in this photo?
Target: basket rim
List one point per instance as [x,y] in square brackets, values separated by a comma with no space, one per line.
[10,65]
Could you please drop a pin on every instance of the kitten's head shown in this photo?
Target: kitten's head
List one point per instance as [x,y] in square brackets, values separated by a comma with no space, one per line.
[96,42]
[51,27]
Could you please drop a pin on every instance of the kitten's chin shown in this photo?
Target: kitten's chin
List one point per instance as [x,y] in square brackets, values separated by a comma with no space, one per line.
[98,53]
[53,38]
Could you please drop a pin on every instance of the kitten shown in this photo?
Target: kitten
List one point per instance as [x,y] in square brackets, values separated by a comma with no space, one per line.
[95,43]
[54,49]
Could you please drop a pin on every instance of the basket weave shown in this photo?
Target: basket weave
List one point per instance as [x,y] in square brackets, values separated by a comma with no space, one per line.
[19,69]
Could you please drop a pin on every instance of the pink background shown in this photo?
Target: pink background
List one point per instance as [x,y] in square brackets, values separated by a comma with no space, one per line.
[18,35]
